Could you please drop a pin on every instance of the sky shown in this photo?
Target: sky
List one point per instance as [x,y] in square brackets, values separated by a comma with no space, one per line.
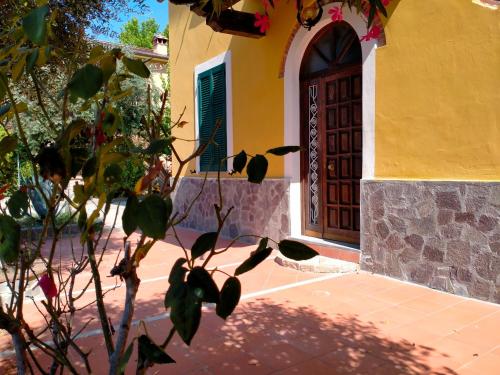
[158,11]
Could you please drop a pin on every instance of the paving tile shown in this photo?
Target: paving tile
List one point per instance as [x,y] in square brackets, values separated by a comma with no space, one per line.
[487,365]
[353,361]
[482,334]
[392,317]
[312,366]
[279,355]
[454,353]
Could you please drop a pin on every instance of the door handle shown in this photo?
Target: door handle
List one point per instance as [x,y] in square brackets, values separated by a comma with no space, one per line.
[331,166]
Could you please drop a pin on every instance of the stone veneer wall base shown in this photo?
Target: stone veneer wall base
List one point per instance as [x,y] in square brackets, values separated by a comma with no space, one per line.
[261,209]
[445,235]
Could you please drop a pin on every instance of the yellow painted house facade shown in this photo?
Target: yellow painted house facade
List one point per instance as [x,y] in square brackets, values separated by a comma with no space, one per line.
[400,135]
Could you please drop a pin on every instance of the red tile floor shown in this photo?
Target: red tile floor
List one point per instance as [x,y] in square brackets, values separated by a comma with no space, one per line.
[290,322]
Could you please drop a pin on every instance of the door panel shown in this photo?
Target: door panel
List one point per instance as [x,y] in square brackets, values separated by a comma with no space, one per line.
[331,118]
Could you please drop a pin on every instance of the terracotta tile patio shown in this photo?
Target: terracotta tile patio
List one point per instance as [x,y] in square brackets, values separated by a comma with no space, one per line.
[290,322]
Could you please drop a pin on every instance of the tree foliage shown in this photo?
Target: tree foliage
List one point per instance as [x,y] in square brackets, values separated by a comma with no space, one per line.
[138,34]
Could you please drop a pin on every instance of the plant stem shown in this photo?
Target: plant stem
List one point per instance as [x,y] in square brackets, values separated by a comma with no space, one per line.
[106,329]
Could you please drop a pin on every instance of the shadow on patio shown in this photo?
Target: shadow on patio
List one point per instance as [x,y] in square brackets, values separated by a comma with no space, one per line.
[263,337]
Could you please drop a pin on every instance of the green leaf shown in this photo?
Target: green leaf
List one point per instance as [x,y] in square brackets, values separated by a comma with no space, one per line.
[90,167]
[7,144]
[240,161]
[137,67]
[74,128]
[186,313]
[296,250]
[112,174]
[203,243]
[257,169]
[200,278]
[125,358]
[31,60]
[257,257]
[371,15]
[10,235]
[5,109]
[177,272]
[3,89]
[149,351]
[17,70]
[158,146]
[152,216]
[108,66]
[129,216]
[18,204]
[381,7]
[34,24]
[283,150]
[229,297]
[82,220]
[86,82]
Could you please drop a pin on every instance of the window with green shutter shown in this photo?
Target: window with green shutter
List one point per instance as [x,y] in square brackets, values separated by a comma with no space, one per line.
[212,108]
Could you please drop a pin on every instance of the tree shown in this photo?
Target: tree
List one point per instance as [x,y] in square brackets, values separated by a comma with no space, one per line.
[139,35]
[92,147]
[73,19]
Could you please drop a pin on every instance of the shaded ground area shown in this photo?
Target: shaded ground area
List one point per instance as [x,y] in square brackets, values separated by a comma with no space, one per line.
[291,322]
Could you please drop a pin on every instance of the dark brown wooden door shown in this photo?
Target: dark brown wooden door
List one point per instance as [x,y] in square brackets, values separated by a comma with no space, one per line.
[331,133]
[342,155]
[332,163]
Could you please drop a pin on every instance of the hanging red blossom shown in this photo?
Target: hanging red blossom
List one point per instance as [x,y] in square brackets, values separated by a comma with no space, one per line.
[48,286]
[373,33]
[3,189]
[262,22]
[336,14]
[385,2]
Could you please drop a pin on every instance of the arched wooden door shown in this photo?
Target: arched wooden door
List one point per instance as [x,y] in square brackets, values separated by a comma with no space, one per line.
[331,133]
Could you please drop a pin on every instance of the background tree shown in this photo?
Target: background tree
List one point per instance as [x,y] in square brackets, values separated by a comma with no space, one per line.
[138,34]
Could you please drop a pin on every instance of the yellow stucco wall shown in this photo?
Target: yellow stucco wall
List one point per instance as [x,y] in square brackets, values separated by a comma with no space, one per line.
[437,87]
[438,92]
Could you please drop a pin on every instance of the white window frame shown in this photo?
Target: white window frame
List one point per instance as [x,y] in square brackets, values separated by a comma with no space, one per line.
[223,58]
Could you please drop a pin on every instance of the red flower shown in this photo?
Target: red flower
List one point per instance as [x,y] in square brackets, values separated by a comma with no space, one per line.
[48,286]
[100,137]
[385,2]
[262,22]
[336,13]
[373,33]
[3,189]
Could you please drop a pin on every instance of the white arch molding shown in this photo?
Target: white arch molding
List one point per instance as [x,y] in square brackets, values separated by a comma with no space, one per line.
[292,107]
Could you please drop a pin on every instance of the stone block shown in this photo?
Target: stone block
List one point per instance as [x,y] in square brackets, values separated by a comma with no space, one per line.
[394,242]
[482,265]
[481,289]
[444,217]
[441,283]
[382,230]
[433,254]
[410,254]
[458,253]
[487,223]
[415,241]
[397,224]
[465,217]
[448,199]
[425,226]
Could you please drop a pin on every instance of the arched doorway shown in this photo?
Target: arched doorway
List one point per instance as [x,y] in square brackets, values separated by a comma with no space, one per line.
[332,134]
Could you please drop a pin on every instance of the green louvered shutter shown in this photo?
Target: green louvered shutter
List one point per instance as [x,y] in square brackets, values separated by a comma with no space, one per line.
[212,107]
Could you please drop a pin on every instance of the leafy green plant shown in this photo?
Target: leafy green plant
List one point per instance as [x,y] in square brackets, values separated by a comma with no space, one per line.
[98,150]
